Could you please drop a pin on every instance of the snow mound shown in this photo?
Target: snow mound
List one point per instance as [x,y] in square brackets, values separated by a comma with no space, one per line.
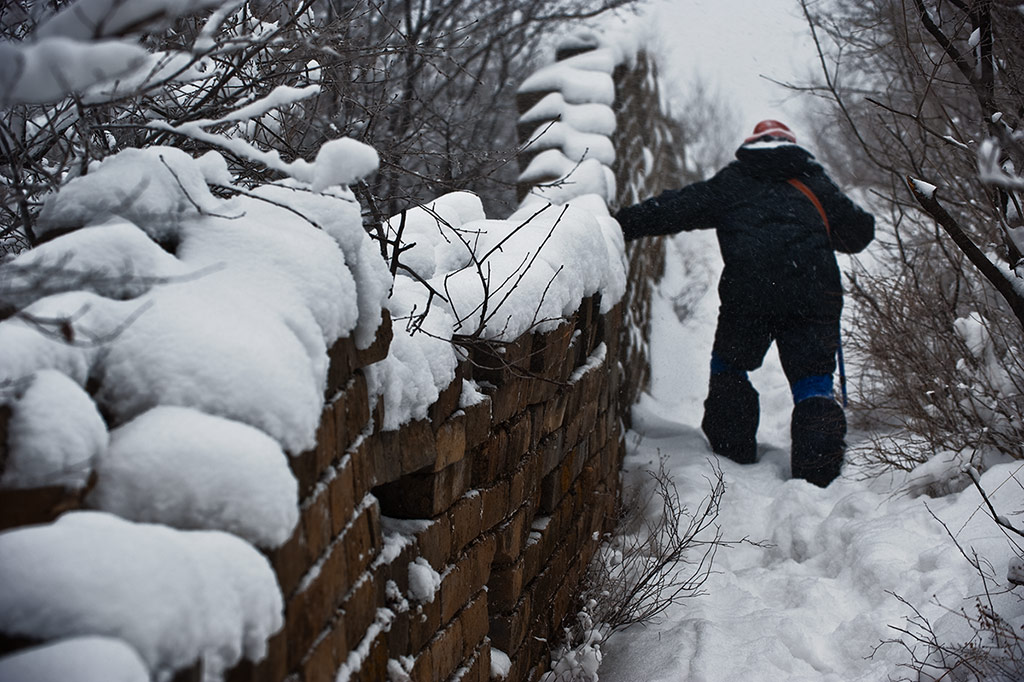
[152,188]
[83,659]
[424,581]
[342,162]
[53,436]
[174,596]
[190,470]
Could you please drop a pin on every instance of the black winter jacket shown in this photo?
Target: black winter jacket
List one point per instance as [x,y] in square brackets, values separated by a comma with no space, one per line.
[778,258]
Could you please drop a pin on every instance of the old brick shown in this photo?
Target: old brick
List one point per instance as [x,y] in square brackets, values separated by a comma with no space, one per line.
[523,662]
[374,665]
[458,584]
[550,361]
[327,449]
[559,603]
[478,422]
[536,423]
[307,612]
[464,578]
[588,418]
[361,542]
[505,586]
[524,479]
[557,483]
[519,433]
[398,635]
[434,541]
[474,624]
[509,628]
[378,350]
[424,622]
[541,390]
[446,651]
[342,361]
[494,504]
[364,476]
[360,608]
[304,468]
[552,451]
[491,459]
[546,532]
[450,440]
[422,668]
[417,496]
[418,446]
[511,535]
[464,517]
[341,493]
[478,666]
[542,588]
[315,517]
[321,662]
[509,399]
[554,412]
[387,460]
[291,561]
[351,410]
[447,401]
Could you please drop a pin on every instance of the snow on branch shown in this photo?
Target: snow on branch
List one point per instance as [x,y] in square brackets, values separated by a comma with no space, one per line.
[98,19]
[50,69]
[338,162]
[992,170]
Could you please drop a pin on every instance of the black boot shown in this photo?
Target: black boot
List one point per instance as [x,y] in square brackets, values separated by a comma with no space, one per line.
[731,414]
[818,430]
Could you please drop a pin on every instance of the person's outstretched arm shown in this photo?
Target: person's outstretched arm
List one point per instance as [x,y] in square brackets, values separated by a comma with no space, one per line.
[853,228]
[692,207]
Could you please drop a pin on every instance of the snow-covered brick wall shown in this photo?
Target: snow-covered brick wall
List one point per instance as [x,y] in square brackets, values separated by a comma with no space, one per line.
[168,363]
[561,126]
[285,463]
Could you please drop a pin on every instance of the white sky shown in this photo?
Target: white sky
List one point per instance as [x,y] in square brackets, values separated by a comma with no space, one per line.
[732,43]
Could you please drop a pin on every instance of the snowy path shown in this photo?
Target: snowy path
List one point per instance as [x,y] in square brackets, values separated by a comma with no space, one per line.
[815,600]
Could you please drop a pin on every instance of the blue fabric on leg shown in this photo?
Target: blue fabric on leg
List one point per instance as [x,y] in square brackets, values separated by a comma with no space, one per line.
[720,366]
[817,386]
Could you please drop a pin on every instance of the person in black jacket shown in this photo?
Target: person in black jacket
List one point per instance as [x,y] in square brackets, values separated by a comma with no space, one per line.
[779,219]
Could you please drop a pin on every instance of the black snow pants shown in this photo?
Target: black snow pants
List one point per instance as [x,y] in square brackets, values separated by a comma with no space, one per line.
[807,349]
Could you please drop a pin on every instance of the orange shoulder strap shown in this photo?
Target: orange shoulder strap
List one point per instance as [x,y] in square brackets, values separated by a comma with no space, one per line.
[806,191]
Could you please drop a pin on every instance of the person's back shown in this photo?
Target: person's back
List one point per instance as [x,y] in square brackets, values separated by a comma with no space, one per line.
[779,219]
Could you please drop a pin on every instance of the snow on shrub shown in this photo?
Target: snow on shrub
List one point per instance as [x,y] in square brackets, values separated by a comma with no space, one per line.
[174,596]
[187,469]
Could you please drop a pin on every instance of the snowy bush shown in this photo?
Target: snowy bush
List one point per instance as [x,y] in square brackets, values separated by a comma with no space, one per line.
[660,555]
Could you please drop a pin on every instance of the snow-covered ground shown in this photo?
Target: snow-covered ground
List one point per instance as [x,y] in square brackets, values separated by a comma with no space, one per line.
[816,596]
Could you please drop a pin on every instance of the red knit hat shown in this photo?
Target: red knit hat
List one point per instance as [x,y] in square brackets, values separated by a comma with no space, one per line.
[770,128]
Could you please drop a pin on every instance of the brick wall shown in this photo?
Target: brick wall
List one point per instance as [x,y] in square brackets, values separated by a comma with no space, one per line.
[501,499]
[504,499]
